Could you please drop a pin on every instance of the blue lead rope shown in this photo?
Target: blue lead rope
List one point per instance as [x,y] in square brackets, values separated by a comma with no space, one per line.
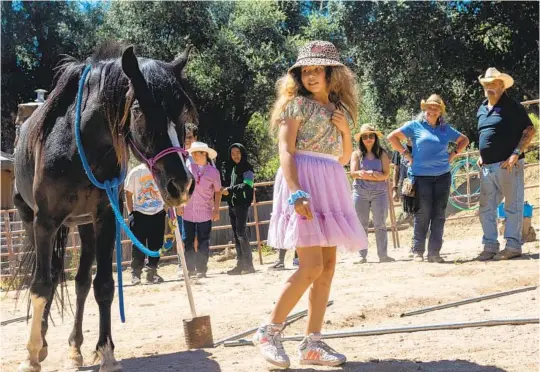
[111,188]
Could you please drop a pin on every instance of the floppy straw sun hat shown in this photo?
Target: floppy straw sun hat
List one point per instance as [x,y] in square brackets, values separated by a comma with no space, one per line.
[317,53]
[367,128]
[493,74]
[435,100]
[202,147]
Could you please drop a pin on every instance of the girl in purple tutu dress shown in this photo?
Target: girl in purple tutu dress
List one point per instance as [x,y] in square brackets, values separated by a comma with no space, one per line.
[312,211]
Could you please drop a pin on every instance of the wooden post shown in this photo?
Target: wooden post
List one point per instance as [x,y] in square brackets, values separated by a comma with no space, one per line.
[468,183]
[392,215]
[256,215]
[11,255]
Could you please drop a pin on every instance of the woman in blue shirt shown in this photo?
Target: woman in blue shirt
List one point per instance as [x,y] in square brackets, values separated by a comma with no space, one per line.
[430,171]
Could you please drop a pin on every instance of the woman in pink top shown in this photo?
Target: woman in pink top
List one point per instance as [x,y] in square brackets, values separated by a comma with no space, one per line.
[202,208]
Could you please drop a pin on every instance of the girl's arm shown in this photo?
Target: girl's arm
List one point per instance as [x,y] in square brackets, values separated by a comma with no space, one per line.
[340,121]
[355,165]
[217,203]
[287,148]
[382,176]
[356,172]
[217,198]
[129,201]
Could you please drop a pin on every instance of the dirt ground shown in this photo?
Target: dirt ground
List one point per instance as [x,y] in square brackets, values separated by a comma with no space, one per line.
[365,297]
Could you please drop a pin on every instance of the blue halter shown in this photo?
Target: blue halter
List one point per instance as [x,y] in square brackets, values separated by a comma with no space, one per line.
[111,187]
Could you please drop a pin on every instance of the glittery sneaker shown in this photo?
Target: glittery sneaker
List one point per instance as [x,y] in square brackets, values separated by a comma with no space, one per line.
[268,338]
[312,350]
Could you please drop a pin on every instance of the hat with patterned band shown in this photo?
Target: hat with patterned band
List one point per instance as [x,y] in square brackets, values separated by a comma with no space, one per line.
[317,53]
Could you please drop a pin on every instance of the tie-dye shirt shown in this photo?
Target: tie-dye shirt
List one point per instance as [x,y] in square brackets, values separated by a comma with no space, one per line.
[146,197]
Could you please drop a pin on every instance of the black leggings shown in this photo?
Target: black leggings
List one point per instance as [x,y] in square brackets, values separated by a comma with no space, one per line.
[149,229]
[238,216]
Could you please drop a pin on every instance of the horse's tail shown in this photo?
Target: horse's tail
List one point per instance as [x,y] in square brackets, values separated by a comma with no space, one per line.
[23,276]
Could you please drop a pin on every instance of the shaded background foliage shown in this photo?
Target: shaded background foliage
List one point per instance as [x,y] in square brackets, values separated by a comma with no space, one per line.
[401,51]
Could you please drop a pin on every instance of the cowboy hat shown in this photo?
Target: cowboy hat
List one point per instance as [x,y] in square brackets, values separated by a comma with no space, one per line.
[435,100]
[493,74]
[202,147]
[367,128]
[317,53]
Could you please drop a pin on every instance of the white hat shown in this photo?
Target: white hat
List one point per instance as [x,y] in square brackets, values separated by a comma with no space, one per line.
[203,147]
[493,74]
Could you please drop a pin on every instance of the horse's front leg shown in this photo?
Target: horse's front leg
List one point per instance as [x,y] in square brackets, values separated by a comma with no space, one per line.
[104,288]
[83,282]
[41,289]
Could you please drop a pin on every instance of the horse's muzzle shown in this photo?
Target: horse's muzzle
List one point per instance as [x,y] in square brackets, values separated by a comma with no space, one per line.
[178,192]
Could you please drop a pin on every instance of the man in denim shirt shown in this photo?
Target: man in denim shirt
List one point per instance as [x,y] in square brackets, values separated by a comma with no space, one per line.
[505,131]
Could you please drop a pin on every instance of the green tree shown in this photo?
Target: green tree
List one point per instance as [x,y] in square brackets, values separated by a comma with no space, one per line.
[34,37]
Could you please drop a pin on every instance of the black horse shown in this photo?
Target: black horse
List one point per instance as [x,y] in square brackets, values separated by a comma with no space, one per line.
[127,102]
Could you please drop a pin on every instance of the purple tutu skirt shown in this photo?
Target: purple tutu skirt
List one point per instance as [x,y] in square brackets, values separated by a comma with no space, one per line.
[334,222]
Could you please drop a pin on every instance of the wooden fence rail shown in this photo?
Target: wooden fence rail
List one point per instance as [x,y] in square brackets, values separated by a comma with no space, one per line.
[9,217]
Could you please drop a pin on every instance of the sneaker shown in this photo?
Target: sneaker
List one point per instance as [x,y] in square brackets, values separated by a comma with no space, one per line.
[296,262]
[135,279]
[312,350]
[386,259]
[485,256]
[236,271]
[201,275]
[268,338]
[192,274]
[435,259]
[278,265]
[418,257]
[152,276]
[363,260]
[506,255]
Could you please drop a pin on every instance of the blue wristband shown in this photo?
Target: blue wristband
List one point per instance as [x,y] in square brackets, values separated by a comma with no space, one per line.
[297,195]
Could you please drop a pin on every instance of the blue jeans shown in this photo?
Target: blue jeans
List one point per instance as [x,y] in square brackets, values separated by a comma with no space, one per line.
[197,261]
[432,197]
[497,183]
[376,201]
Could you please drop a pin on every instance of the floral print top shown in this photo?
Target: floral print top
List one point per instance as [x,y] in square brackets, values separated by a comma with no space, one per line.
[316,132]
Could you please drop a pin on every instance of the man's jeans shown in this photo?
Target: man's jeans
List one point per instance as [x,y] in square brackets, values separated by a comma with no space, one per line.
[375,201]
[497,183]
[432,193]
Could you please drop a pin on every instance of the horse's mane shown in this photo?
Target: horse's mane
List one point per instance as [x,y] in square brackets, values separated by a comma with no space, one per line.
[113,86]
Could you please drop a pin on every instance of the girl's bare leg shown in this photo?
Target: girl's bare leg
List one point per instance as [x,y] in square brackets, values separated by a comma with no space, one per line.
[320,291]
[311,267]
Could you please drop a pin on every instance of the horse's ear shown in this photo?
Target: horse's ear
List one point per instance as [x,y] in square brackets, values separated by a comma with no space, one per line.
[180,62]
[130,66]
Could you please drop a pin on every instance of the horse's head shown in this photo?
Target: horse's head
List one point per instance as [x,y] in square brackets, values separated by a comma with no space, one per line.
[160,107]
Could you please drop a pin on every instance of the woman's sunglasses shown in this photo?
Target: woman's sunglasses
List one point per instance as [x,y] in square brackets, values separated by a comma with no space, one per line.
[368,136]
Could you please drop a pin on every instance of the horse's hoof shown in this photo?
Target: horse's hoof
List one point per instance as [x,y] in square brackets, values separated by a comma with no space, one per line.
[75,359]
[43,353]
[111,367]
[108,362]
[28,366]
